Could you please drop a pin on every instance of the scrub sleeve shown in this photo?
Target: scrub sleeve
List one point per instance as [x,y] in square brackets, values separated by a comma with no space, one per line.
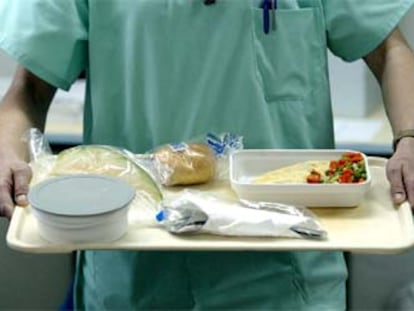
[48,37]
[56,40]
[355,28]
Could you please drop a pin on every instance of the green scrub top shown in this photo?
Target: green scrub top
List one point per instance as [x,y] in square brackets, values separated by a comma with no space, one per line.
[161,71]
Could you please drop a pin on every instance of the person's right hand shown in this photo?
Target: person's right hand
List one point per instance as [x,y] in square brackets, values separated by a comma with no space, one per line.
[15,175]
[24,106]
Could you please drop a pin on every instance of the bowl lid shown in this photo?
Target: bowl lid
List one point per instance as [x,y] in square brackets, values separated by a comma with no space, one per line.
[81,195]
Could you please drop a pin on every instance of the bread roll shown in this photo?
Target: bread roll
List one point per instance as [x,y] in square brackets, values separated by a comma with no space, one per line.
[188,165]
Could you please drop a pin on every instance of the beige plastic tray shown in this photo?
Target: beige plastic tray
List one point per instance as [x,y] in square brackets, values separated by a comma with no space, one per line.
[375,226]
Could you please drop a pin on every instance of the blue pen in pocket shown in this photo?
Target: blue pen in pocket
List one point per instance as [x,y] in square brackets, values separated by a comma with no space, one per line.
[269,15]
[266,15]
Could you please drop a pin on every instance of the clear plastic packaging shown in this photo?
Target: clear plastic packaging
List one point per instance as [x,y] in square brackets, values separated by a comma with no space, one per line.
[224,145]
[194,162]
[94,159]
[194,211]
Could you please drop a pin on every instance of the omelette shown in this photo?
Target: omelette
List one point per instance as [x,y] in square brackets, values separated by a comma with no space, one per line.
[292,174]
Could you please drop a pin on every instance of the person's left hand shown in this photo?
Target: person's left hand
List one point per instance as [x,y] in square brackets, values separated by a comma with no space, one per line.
[400,172]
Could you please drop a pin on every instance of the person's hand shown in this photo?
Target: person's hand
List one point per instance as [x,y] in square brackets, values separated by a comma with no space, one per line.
[400,172]
[15,175]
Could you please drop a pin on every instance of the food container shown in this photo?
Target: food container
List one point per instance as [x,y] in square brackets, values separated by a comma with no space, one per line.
[248,164]
[81,208]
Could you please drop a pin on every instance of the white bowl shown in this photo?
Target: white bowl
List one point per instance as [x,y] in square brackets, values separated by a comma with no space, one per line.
[245,165]
[72,229]
[81,208]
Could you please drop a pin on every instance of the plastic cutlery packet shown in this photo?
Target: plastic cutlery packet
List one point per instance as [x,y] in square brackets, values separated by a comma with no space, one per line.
[197,212]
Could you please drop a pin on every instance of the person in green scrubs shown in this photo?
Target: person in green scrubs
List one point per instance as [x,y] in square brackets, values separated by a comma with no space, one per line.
[162,71]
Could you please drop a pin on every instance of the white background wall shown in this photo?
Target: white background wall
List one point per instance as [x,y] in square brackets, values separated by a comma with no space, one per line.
[7,65]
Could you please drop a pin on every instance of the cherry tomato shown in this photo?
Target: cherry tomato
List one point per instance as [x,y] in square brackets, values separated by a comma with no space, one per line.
[314,177]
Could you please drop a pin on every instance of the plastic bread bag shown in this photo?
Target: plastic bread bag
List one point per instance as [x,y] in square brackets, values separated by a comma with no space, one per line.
[93,159]
[224,145]
[197,212]
[194,162]
[40,153]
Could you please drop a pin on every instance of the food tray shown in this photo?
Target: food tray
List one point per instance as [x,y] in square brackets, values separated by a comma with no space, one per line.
[374,226]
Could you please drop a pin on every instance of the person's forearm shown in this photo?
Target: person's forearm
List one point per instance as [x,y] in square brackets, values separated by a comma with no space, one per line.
[15,119]
[24,106]
[393,65]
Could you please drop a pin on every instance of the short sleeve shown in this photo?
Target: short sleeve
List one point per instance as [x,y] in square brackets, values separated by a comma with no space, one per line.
[47,37]
[357,27]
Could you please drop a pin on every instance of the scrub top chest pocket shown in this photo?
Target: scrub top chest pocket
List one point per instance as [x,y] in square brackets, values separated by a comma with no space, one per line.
[289,58]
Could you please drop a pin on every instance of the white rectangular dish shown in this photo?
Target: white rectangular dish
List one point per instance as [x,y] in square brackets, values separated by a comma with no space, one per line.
[374,226]
[245,165]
